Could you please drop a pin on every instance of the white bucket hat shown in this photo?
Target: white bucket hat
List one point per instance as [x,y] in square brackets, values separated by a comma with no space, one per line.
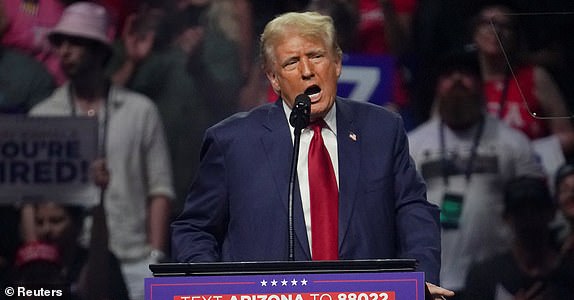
[85,20]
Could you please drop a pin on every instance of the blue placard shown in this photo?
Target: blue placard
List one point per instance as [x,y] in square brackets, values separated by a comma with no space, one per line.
[47,158]
[367,78]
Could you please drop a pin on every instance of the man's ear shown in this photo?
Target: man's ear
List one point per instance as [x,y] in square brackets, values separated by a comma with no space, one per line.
[273,80]
[339,67]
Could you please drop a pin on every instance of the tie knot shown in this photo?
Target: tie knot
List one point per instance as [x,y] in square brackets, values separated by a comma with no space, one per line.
[317,125]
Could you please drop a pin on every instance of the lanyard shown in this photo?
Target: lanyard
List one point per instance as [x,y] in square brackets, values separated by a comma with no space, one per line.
[103,118]
[471,159]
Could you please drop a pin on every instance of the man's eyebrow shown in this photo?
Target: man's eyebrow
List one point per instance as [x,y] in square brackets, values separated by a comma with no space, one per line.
[316,51]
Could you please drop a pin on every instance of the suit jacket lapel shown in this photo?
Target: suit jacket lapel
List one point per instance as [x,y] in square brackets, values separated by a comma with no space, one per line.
[279,148]
[349,146]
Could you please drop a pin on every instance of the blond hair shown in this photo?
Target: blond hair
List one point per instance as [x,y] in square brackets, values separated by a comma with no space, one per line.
[307,24]
[222,14]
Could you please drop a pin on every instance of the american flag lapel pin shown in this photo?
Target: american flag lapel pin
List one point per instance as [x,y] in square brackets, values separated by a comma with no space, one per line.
[353,136]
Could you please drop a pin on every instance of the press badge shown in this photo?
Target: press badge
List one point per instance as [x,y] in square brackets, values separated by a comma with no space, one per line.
[451,210]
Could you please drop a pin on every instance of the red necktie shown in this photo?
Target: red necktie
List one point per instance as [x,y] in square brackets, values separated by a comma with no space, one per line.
[324,196]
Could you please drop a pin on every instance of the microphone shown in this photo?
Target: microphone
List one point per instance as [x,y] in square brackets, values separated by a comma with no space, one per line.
[299,118]
[301,113]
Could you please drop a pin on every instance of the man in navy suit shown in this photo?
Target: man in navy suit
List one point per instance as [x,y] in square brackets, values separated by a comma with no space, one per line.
[237,208]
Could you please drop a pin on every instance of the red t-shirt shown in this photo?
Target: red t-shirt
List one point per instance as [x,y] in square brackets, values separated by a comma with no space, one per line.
[372,24]
[516,109]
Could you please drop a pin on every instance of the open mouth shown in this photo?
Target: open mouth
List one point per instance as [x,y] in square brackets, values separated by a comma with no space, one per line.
[313,92]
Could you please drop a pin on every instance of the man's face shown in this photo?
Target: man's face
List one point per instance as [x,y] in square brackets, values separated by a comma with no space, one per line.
[54,225]
[305,65]
[76,55]
[494,24]
[460,99]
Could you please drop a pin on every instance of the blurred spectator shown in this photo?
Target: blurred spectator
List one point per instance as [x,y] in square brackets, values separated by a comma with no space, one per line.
[119,11]
[346,19]
[194,48]
[466,157]
[232,19]
[89,273]
[385,26]
[228,43]
[147,49]
[137,41]
[522,94]
[134,170]
[23,81]
[439,26]
[28,22]
[532,268]
[38,263]
[564,189]
[225,56]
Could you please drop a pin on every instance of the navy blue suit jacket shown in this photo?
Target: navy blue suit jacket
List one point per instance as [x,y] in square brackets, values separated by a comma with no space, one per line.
[237,206]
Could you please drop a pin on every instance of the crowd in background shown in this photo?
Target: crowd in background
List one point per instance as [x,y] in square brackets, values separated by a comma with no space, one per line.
[197,61]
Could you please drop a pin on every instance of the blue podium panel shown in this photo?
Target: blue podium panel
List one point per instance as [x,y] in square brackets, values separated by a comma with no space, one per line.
[289,286]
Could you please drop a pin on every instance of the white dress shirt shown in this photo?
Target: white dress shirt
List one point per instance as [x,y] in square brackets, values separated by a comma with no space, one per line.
[329,134]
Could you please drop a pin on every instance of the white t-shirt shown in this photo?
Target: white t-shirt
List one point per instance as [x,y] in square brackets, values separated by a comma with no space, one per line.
[502,153]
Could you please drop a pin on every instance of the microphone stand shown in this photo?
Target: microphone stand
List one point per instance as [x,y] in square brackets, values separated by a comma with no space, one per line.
[294,160]
[299,119]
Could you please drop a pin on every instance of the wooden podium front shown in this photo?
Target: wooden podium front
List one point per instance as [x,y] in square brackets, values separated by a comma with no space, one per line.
[341,280]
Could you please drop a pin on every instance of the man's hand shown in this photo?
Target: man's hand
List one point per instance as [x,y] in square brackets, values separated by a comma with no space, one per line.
[436,292]
[100,173]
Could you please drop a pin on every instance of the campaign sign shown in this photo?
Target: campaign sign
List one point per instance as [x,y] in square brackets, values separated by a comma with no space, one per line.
[367,78]
[47,158]
[320,286]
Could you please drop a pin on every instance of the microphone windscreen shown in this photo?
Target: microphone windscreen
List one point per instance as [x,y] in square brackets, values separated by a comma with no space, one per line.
[301,113]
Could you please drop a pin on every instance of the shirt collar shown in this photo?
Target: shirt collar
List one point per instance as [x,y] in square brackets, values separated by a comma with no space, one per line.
[330,119]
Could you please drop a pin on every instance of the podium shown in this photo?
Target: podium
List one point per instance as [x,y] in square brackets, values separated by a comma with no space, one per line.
[386,279]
